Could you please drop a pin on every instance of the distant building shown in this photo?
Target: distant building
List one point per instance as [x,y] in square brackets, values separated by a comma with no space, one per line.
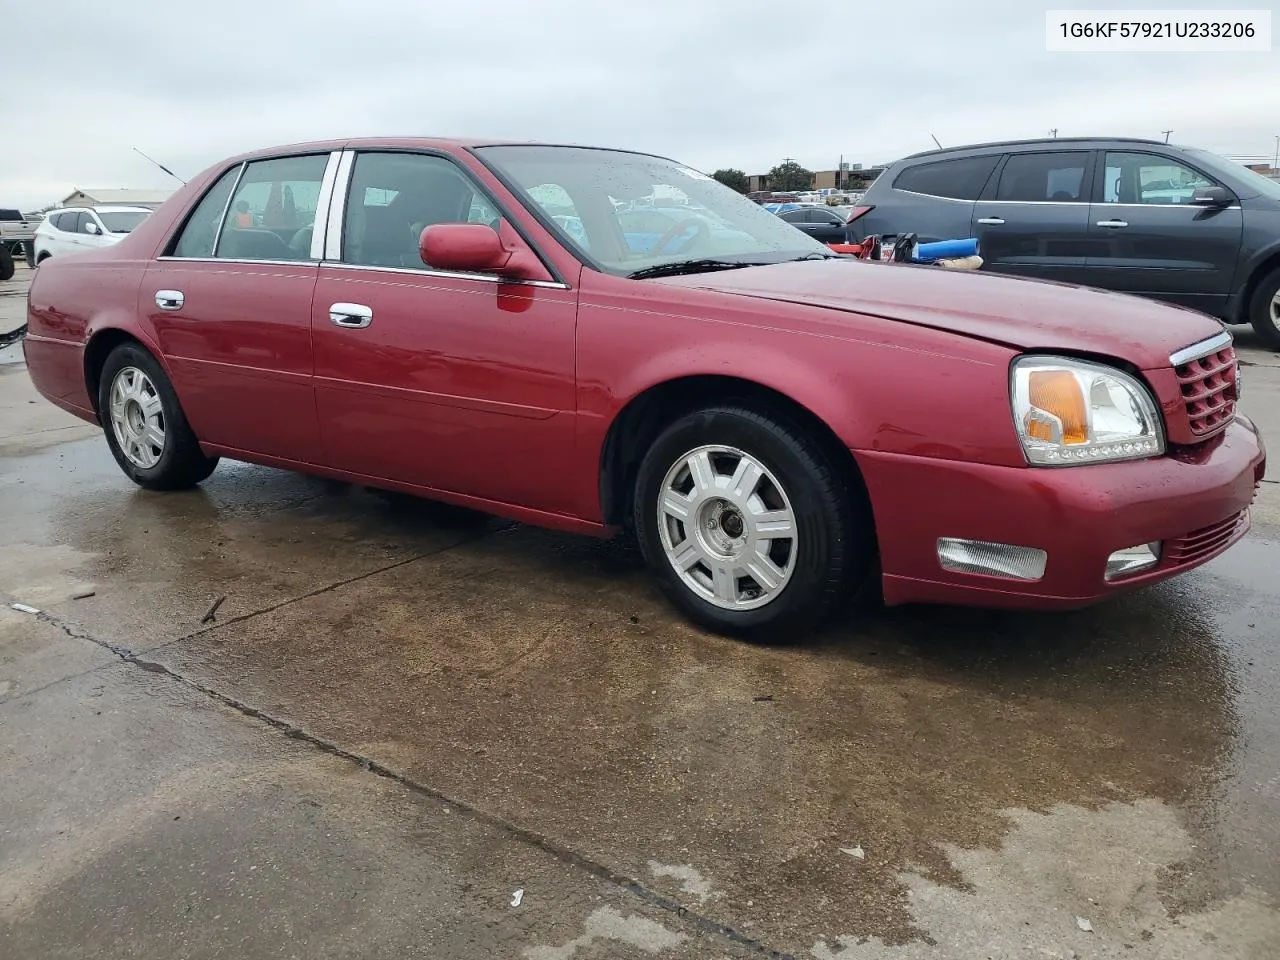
[126,198]
[821,178]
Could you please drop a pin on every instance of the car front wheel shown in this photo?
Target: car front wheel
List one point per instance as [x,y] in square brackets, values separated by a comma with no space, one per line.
[751,526]
[145,427]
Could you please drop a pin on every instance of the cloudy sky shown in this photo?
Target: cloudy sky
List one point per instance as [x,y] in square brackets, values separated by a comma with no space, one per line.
[710,82]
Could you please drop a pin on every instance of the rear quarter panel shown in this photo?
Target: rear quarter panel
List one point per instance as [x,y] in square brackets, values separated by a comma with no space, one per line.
[74,297]
[879,384]
[70,300]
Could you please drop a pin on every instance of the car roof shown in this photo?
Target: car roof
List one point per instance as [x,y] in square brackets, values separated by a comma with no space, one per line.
[421,143]
[101,208]
[1038,142]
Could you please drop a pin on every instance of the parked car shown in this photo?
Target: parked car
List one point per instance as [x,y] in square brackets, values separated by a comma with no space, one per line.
[821,223]
[16,233]
[1136,216]
[77,229]
[776,424]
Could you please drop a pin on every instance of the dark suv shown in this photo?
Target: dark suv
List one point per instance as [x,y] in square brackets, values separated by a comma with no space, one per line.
[1136,216]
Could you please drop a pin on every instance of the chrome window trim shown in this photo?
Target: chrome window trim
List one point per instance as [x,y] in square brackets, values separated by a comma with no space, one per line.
[1166,206]
[319,226]
[226,208]
[305,262]
[445,275]
[933,196]
[1202,349]
[1047,203]
[337,206]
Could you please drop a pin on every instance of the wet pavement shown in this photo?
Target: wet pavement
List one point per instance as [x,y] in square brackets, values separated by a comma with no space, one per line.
[401,714]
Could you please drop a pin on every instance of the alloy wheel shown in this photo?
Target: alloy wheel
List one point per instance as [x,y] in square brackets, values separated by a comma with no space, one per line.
[137,417]
[727,527]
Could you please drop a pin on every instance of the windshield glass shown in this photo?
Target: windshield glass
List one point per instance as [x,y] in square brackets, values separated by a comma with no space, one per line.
[121,221]
[626,211]
[1257,184]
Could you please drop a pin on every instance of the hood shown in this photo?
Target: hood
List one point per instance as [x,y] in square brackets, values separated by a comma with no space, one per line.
[1024,314]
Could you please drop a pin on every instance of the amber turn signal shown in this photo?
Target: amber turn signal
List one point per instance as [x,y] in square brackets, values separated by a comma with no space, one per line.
[1058,392]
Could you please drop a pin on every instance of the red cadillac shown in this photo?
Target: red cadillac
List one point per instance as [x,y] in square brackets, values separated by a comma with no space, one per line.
[594,340]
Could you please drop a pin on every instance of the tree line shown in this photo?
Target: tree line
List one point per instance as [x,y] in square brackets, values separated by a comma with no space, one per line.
[783,178]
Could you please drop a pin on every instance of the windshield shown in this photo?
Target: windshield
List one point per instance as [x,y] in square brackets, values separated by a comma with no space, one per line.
[121,221]
[1251,179]
[625,211]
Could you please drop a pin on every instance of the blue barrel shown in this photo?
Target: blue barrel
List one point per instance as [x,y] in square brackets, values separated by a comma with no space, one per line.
[946,250]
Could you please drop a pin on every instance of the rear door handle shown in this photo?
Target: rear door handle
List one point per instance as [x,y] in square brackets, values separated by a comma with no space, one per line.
[1113,223]
[350,315]
[991,220]
[170,299]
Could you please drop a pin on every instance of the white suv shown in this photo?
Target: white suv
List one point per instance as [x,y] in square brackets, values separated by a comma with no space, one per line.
[77,229]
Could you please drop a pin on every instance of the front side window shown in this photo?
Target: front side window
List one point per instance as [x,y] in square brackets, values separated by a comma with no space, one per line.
[1040,177]
[393,197]
[1149,179]
[628,211]
[273,212]
[83,219]
[960,179]
[201,228]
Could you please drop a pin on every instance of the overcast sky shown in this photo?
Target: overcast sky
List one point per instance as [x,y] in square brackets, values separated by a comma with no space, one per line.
[710,82]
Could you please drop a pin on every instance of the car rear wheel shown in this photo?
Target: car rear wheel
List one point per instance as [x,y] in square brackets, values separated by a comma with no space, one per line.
[6,263]
[750,526]
[145,427]
[1264,310]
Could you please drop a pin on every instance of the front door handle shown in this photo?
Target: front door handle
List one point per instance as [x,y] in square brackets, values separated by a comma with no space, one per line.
[350,315]
[169,299]
[1114,224]
[991,221]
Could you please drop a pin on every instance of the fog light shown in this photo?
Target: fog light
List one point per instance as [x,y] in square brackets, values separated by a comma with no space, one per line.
[1132,559]
[993,559]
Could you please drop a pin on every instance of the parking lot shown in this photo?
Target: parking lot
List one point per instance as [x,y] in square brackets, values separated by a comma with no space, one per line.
[408,730]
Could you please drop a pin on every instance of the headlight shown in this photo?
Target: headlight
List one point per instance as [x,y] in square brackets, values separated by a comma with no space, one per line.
[1069,412]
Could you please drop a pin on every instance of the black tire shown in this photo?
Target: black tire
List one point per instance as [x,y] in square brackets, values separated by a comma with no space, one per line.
[835,540]
[1260,315]
[182,464]
[6,263]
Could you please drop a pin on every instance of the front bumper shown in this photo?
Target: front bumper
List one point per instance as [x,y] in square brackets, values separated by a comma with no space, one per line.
[1194,501]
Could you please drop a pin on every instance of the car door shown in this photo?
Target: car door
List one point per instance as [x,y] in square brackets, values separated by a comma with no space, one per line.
[827,227]
[1032,219]
[93,233]
[933,199]
[78,238]
[451,381]
[1149,239]
[231,306]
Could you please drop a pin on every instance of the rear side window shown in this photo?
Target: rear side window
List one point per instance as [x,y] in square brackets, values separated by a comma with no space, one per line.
[201,229]
[1032,177]
[273,212]
[64,221]
[961,179]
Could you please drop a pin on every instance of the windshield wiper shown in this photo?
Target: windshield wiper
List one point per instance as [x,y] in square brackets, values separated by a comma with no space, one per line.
[687,266]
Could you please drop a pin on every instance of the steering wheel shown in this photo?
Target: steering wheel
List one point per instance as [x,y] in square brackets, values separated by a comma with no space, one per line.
[702,231]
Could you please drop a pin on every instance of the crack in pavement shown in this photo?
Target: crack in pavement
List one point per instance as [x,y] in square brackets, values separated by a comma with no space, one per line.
[546,844]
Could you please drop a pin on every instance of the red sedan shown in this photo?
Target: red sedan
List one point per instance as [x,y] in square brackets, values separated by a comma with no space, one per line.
[483,323]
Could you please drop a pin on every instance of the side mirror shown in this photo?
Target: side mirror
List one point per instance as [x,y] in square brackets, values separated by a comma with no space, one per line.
[477,248]
[1211,197]
[91,227]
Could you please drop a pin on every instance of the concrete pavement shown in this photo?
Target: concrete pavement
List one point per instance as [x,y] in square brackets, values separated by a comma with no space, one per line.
[402,714]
